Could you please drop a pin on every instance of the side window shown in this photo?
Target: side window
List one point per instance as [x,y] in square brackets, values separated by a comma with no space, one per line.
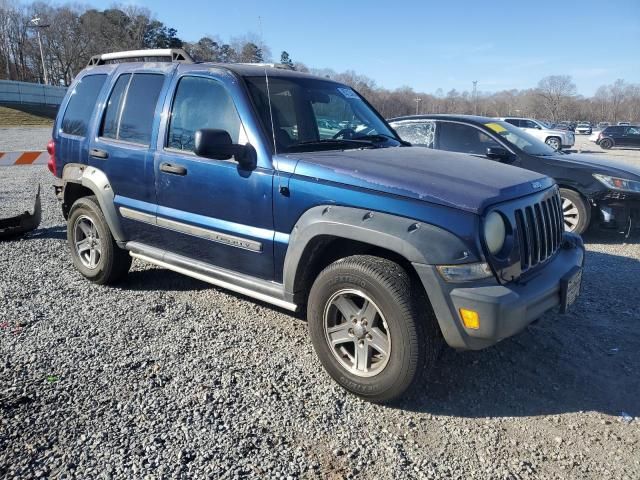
[456,137]
[81,105]
[114,105]
[635,131]
[513,121]
[131,107]
[528,124]
[417,133]
[201,103]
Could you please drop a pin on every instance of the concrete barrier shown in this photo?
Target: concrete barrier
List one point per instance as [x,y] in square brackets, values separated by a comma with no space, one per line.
[31,97]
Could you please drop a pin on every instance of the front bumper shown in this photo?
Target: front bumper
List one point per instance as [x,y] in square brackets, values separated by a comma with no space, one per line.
[504,310]
[618,209]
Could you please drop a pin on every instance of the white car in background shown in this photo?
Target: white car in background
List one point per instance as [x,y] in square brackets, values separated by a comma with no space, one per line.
[584,128]
[556,139]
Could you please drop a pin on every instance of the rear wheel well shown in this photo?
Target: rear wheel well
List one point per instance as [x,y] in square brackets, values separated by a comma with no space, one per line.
[326,249]
[72,192]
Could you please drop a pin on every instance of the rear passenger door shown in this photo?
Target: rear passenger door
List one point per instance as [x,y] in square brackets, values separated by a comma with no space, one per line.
[122,147]
[211,211]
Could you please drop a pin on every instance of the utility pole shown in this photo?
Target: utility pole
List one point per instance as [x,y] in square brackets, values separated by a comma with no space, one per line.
[35,21]
[417,100]
[475,97]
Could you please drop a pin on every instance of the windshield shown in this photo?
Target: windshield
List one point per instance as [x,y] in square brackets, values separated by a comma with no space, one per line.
[521,139]
[310,114]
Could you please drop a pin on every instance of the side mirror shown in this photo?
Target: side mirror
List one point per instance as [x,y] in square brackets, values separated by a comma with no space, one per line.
[217,145]
[499,153]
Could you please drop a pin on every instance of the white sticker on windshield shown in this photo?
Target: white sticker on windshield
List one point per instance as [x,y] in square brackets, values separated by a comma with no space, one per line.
[348,93]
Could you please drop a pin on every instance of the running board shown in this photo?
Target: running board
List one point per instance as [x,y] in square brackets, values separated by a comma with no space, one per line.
[257,288]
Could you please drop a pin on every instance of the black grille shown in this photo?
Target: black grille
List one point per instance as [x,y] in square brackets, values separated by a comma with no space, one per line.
[539,228]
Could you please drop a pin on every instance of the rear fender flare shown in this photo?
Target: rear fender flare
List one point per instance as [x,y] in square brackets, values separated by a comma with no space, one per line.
[97,181]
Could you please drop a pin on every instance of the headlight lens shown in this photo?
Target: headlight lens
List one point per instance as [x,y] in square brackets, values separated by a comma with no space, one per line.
[495,232]
[616,183]
[465,272]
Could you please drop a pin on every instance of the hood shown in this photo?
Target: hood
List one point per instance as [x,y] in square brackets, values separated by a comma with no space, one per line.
[597,164]
[450,179]
[551,131]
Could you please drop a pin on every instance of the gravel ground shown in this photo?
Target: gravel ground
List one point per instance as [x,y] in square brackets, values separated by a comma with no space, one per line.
[14,139]
[165,376]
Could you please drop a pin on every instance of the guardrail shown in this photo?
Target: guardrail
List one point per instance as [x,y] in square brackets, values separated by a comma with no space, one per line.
[31,97]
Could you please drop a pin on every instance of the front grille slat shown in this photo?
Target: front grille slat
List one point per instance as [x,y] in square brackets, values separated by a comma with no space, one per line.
[539,230]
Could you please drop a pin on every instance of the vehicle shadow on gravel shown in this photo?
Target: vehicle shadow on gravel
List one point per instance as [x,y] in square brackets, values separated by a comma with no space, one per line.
[611,237]
[586,360]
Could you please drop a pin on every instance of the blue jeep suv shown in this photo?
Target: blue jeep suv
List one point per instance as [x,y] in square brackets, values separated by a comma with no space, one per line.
[293,190]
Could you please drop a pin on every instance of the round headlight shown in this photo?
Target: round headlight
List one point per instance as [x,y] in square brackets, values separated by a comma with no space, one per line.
[495,232]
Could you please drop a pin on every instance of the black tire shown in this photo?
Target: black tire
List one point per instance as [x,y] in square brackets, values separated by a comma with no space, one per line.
[112,263]
[606,143]
[410,323]
[575,222]
[553,141]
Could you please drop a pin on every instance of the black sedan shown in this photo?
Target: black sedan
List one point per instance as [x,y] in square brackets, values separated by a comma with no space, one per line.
[590,187]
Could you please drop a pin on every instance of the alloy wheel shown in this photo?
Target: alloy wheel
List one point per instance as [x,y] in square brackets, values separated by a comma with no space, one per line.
[357,333]
[87,242]
[571,215]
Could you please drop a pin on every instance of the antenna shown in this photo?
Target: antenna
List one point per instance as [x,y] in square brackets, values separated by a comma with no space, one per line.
[273,127]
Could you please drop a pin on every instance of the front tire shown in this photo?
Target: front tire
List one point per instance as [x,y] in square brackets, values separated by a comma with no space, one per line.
[554,142]
[576,211]
[93,249]
[371,328]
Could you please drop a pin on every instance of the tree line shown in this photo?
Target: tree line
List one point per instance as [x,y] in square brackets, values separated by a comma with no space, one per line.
[62,39]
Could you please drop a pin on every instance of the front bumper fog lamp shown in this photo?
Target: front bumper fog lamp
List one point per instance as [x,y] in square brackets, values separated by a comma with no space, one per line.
[464,273]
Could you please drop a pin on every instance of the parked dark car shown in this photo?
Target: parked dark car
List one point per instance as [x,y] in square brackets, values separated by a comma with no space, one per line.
[619,136]
[591,188]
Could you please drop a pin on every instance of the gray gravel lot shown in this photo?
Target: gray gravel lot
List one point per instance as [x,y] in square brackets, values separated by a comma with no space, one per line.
[165,376]
[24,138]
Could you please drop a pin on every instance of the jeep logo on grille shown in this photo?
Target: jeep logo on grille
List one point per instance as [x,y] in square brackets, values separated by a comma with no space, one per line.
[536,184]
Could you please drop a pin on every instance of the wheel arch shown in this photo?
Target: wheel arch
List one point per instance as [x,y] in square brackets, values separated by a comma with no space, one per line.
[81,181]
[325,234]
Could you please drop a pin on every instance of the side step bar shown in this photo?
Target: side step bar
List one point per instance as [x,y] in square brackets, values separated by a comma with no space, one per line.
[257,288]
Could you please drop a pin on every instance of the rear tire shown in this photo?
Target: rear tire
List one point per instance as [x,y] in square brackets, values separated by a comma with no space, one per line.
[371,327]
[576,211]
[606,143]
[93,249]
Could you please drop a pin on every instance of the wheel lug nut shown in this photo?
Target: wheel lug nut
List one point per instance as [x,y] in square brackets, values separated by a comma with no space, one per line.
[361,343]
[351,332]
[369,337]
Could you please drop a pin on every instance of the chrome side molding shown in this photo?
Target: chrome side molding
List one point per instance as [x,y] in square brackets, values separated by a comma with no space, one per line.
[207,234]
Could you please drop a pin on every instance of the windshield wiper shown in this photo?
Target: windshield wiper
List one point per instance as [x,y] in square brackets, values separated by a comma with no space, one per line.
[334,141]
[378,137]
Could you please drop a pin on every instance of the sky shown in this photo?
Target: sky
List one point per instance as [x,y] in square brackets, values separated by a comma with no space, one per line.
[431,44]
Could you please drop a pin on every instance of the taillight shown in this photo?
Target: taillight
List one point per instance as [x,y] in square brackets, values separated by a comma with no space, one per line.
[51,164]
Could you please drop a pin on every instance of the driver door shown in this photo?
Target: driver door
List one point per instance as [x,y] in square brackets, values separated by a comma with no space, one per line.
[212,211]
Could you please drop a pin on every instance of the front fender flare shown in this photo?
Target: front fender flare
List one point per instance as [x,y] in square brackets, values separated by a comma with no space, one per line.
[417,242]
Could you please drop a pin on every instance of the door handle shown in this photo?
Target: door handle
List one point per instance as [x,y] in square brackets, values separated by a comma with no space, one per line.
[97,153]
[173,169]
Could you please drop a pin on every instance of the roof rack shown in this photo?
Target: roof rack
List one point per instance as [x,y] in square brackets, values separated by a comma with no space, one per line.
[281,66]
[176,55]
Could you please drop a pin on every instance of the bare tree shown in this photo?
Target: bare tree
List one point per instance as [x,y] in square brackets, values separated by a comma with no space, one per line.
[555,92]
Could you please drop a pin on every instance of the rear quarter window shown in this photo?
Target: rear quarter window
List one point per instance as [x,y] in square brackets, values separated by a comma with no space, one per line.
[81,104]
